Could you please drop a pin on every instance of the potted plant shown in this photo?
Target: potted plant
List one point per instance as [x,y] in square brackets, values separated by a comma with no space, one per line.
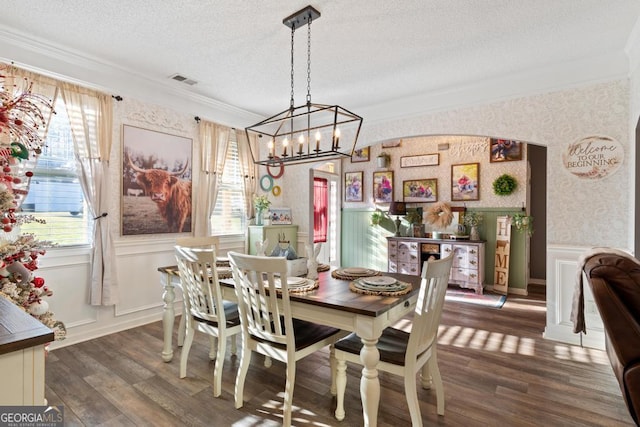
[261,204]
[383,159]
[414,218]
[473,220]
[376,217]
[523,222]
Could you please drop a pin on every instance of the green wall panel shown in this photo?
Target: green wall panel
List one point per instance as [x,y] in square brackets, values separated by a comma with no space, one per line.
[517,259]
[365,246]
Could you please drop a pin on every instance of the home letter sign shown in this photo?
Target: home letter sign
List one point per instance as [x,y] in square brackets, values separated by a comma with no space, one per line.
[503,248]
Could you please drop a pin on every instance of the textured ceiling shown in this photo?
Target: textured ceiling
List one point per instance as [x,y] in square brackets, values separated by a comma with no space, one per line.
[365,53]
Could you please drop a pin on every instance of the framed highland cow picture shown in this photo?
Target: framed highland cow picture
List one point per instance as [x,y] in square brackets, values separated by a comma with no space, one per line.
[156,182]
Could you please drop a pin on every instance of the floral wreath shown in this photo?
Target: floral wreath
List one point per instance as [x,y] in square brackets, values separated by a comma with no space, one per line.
[440,215]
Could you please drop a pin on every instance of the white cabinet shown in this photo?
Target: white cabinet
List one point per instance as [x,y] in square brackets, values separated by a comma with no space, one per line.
[406,255]
[22,361]
[467,270]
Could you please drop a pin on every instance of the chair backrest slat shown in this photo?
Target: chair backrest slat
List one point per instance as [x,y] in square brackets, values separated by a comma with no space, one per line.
[199,280]
[262,313]
[428,312]
[194,242]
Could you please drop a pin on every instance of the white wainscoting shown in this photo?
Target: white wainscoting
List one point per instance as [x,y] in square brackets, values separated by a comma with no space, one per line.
[562,265]
[66,271]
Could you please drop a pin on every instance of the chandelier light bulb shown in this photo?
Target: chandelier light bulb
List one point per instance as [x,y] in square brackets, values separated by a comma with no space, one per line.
[271,147]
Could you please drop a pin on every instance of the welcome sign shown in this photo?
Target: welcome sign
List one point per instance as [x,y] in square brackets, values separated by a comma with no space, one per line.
[593,157]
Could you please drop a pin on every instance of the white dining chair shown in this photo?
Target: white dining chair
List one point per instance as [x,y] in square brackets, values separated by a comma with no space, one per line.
[205,310]
[405,353]
[268,327]
[194,242]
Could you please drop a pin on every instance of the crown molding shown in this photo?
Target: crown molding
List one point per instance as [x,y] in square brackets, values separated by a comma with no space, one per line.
[65,64]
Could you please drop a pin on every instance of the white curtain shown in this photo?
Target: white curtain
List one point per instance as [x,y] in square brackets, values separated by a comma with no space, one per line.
[91,117]
[248,169]
[214,139]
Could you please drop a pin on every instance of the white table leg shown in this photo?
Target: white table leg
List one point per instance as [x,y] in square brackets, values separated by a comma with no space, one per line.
[369,382]
[168,317]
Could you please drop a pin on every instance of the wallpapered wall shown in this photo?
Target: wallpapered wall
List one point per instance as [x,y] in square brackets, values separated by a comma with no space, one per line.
[579,212]
[462,149]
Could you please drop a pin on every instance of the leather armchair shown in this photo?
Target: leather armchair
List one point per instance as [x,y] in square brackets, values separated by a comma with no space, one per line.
[615,283]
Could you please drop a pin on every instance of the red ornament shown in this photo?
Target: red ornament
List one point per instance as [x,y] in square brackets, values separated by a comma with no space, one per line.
[38,282]
[7,228]
[29,174]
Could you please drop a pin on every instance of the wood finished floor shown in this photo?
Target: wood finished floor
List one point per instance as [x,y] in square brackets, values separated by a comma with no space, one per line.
[496,367]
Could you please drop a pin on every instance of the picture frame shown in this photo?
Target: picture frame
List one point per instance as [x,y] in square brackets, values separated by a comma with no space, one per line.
[420,190]
[505,150]
[420,160]
[280,216]
[465,182]
[383,187]
[353,186]
[153,161]
[360,155]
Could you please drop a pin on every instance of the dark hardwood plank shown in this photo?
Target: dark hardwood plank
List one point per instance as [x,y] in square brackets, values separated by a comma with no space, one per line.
[496,367]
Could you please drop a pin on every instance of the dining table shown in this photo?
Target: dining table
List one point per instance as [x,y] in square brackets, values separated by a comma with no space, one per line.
[333,303]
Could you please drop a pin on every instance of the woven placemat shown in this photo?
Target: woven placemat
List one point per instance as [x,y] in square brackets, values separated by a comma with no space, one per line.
[381,293]
[301,289]
[224,273]
[307,288]
[324,267]
[340,274]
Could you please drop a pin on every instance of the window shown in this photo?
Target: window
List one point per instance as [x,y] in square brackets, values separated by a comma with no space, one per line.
[229,214]
[55,194]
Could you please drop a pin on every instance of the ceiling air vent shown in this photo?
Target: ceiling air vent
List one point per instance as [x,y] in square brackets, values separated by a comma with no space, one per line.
[183,79]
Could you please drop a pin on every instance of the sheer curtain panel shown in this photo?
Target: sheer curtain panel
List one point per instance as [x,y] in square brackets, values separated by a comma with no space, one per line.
[213,146]
[248,169]
[91,117]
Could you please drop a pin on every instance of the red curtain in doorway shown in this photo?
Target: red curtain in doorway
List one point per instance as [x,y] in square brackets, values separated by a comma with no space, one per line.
[320,203]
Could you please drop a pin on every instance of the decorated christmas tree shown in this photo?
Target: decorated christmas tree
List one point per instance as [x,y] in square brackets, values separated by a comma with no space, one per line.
[22,120]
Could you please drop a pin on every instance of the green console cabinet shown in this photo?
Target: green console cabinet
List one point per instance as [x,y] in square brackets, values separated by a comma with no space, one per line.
[258,233]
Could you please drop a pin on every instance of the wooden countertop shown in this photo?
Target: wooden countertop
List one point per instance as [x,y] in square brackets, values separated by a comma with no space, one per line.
[19,330]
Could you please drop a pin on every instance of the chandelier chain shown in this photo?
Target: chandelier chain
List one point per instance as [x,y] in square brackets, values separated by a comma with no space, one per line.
[309,61]
[293,31]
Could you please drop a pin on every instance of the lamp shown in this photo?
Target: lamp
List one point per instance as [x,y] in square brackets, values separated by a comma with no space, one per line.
[309,132]
[397,208]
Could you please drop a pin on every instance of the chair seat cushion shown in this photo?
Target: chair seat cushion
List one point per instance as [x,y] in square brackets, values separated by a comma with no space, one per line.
[230,312]
[392,345]
[308,333]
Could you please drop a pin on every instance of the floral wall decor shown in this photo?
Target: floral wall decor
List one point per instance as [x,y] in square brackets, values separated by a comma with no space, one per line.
[21,122]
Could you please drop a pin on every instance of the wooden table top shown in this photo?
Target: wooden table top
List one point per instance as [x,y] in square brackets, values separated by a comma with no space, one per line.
[335,294]
[19,330]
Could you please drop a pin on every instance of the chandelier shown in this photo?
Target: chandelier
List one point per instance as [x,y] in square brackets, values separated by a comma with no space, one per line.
[310,132]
